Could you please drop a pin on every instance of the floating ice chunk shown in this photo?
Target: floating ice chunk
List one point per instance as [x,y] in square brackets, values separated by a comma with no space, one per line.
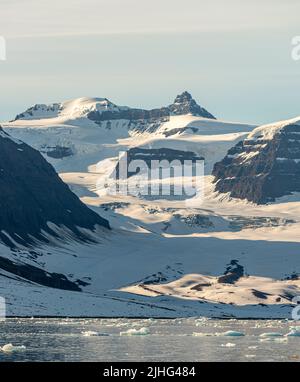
[228,345]
[271,334]
[118,324]
[9,348]
[233,333]
[201,321]
[178,321]
[252,347]
[151,319]
[230,333]
[90,333]
[274,339]
[136,332]
[250,355]
[199,334]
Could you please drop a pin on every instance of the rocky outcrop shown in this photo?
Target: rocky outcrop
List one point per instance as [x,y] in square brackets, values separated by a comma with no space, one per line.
[38,275]
[185,104]
[129,114]
[263,167]
[233,273]
[33,198]
[154,156]
[57,152]
[40,110]
[159,172]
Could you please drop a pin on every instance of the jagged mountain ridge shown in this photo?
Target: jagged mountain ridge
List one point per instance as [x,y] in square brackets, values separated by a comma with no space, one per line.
[33,195]
[101,109]
[263,167]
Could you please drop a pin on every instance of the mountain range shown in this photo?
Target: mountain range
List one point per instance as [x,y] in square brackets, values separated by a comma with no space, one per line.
[69,247]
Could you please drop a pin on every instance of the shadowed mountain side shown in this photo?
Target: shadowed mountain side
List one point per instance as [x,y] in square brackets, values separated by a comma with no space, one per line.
[33,195]
[263,167]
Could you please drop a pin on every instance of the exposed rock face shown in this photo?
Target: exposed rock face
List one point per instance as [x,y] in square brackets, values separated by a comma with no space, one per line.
[148,156]
[33,195]
[263,167]
[183,104]
[158,170]
[57,152]
[38,275]
[130,114]
[40,110]
[232,274]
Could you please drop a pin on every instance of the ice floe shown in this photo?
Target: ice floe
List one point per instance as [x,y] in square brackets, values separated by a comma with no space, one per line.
[229,333]
[274,339]
[136,332]
[9,348]
[91,333]
[271,334]
[228,345]
[232,333]
[200,334]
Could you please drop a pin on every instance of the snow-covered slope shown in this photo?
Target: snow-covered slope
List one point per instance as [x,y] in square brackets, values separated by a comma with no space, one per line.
[70,110]
[159,251]
[268,132]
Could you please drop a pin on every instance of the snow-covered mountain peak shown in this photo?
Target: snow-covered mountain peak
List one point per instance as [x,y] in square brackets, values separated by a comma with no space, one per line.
[81,107]
[75,108]
[102,109]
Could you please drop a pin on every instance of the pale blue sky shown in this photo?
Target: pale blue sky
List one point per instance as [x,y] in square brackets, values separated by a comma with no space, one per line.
[234,56]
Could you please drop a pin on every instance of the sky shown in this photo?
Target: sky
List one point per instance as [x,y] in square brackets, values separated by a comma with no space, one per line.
[233,56]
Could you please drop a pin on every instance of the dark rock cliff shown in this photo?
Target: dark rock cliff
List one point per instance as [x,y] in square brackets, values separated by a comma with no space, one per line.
[33,195]
[261,170]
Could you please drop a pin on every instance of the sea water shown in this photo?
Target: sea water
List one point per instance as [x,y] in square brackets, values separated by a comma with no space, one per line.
[110,340]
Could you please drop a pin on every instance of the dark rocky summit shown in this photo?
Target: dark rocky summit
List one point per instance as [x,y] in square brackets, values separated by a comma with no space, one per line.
[262,168]
[32,195]
[185,104]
